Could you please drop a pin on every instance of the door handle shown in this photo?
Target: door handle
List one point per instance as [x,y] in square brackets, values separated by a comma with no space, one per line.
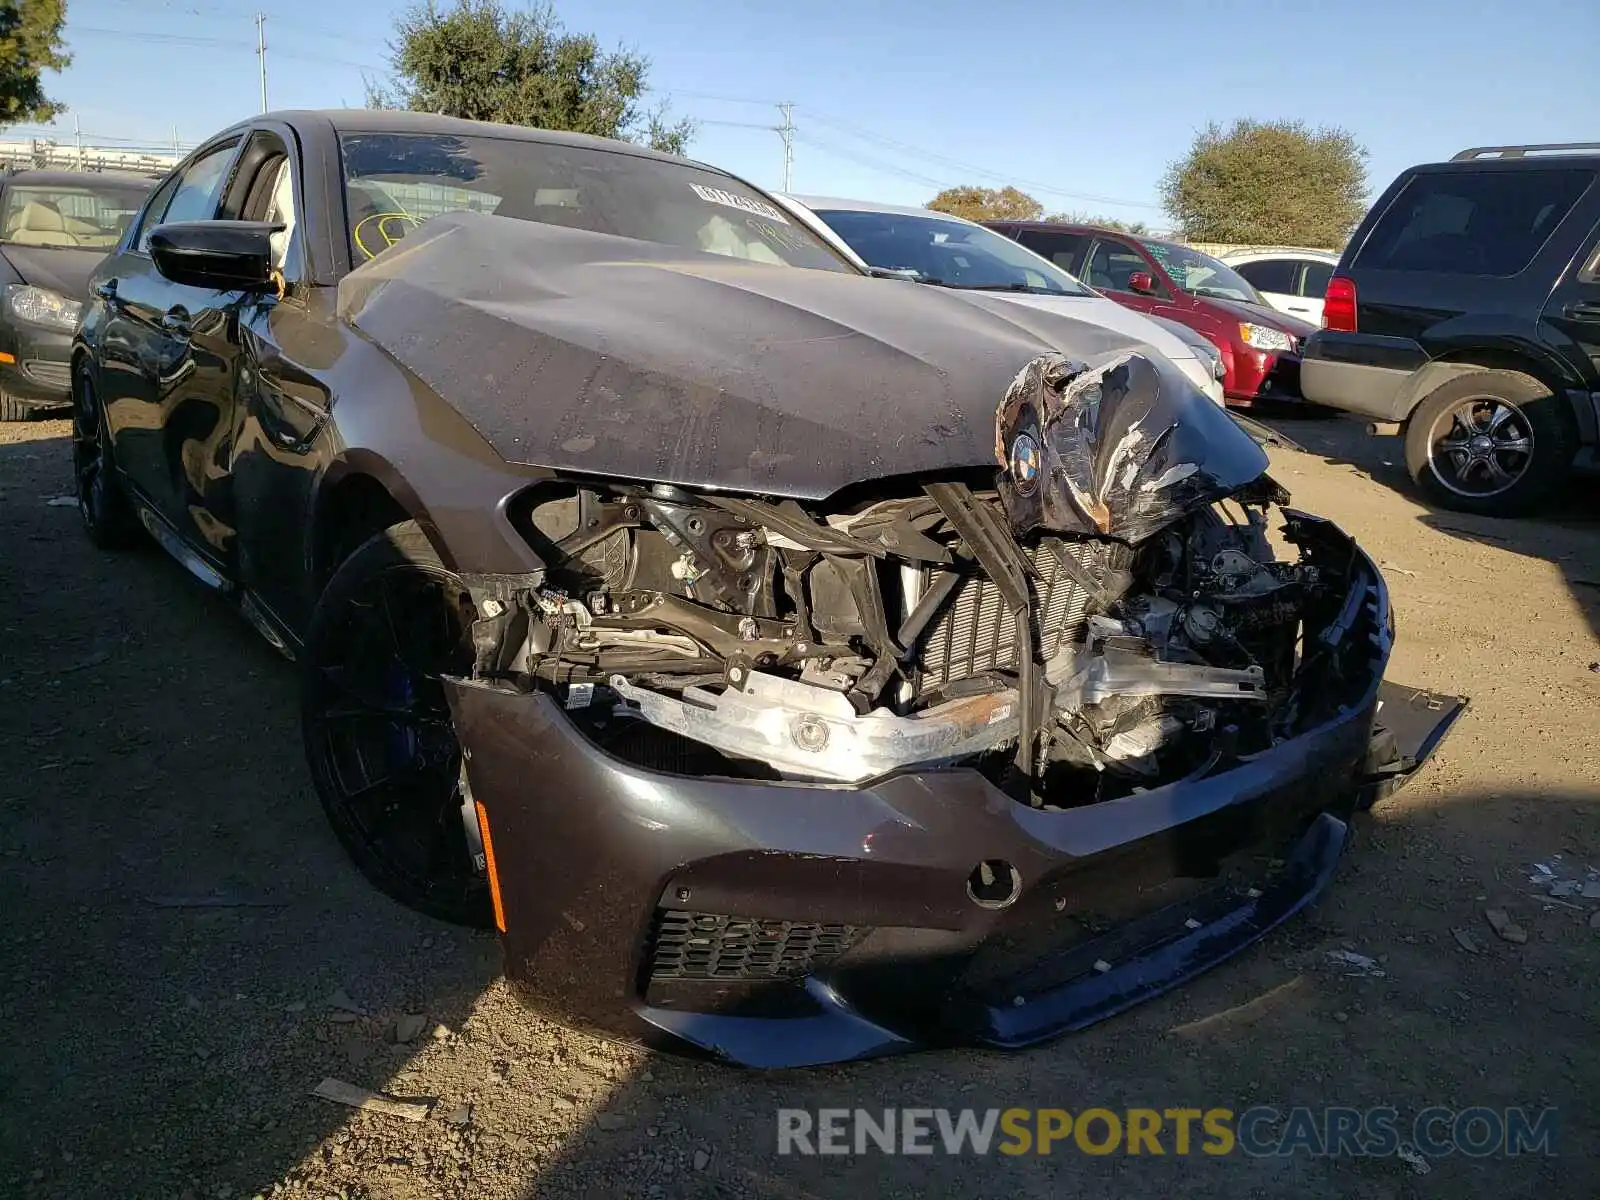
[176,320]
[1583,310]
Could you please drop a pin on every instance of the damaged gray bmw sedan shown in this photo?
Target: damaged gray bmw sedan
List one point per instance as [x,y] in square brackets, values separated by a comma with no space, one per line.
[794,666]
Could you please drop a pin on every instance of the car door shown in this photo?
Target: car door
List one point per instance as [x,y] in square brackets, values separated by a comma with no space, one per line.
[1109,267]
[1314,278]
[165,408]
[1574,306]
[1278,281]
[287,346]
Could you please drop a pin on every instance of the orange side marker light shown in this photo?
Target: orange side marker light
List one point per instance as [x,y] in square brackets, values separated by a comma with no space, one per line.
[488,858]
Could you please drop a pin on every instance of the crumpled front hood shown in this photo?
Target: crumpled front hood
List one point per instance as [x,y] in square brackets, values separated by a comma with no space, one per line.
[1107,448]
[1097,310]
[608,356]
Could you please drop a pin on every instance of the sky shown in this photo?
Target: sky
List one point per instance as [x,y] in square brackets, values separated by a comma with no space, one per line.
[1083,105]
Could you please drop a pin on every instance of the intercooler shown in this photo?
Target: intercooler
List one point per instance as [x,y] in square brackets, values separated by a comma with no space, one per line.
[974,633]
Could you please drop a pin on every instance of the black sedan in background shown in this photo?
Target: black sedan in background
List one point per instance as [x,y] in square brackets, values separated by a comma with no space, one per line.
[55,226]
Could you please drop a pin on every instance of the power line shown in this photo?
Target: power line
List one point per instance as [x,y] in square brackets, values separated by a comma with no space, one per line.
[198,40]
[1033,185]
[883,168]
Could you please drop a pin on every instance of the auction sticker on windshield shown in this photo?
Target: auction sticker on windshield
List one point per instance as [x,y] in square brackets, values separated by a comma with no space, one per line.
[713,195]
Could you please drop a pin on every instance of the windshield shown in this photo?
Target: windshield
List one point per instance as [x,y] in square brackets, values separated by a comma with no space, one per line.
[950,253]
[68,214]
[394,182]
[1200,274]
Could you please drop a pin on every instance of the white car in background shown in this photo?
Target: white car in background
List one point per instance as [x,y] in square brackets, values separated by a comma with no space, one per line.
[1291,279]
[930,247]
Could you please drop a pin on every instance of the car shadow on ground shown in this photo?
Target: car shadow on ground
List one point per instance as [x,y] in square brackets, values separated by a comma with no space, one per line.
[184,940]
[1566,535]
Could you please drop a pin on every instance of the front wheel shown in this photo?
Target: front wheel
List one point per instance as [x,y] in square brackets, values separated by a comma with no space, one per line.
[1497,443]
[108,516]
[379,740]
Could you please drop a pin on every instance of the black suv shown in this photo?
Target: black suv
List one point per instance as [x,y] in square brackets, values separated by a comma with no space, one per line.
[1467,306]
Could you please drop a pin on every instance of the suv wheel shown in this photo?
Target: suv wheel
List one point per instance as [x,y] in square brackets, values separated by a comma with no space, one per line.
[1497,443]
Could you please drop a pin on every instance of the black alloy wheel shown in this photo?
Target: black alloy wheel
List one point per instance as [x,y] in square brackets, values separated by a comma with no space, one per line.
[108,517]
[382,750]
[1495,442]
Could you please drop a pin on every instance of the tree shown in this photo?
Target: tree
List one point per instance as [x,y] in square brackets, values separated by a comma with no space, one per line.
[30,43]
[987,204]
[1067,218]
[1268,181]
[484,62]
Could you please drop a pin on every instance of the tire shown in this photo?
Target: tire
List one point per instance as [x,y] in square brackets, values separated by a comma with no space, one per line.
[108,516]
[378,737]
[12,409]
[1496,443]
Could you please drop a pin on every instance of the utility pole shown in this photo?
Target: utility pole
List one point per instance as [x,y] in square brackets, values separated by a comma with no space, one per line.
[786,132]
[77,129]
[261,52]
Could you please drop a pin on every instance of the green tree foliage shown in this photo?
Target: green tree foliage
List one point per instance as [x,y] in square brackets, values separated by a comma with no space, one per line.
[1276,182]
[987,204]
[1067,218]
[485,62]
[30,43]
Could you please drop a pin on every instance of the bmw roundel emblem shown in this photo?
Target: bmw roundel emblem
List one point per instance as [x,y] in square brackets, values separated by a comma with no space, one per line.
[1025,464]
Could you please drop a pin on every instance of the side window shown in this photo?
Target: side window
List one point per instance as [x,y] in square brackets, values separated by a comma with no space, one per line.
[1061,248]
[1271,274]
[200,189]
[1465,223]
[1112,264]
[264,190]
[1315,282]
[152,213]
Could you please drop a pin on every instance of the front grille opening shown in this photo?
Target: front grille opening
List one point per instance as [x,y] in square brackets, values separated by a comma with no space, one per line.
[694,945]
[974,634]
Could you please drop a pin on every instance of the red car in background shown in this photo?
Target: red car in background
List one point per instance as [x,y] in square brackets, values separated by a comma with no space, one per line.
[1260,346]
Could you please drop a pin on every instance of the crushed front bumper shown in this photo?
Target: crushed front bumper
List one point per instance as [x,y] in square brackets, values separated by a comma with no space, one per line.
[791,924]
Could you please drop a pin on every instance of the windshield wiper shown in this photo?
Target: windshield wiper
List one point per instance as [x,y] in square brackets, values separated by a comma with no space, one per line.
[1217,292]
[999,287]
[909,274]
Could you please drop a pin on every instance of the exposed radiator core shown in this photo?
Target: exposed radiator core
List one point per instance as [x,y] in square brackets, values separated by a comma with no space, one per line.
[975,633]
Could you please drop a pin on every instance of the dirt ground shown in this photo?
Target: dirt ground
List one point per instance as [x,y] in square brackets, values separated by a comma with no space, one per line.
[175,919]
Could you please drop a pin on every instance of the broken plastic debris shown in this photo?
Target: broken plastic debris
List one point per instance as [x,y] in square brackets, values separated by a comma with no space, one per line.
[1412,1159]
[341,1092]
[1359,964]
[341,1000]
[1101,965]
[1503,925]
[1466,941]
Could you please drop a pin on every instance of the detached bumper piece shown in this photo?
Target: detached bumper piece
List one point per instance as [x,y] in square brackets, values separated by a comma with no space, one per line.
[1408,727]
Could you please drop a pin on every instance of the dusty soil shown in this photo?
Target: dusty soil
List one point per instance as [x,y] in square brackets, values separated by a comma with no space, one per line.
[149,760]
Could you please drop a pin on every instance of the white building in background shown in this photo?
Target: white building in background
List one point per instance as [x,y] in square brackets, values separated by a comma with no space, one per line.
[49,153]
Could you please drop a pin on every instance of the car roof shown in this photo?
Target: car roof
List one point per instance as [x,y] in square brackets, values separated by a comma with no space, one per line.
[840,204]
[1243,254]
[383,120]
[79,178]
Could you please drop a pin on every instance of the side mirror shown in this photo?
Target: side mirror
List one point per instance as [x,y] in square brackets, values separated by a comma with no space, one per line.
[223,256]
[1141,282]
